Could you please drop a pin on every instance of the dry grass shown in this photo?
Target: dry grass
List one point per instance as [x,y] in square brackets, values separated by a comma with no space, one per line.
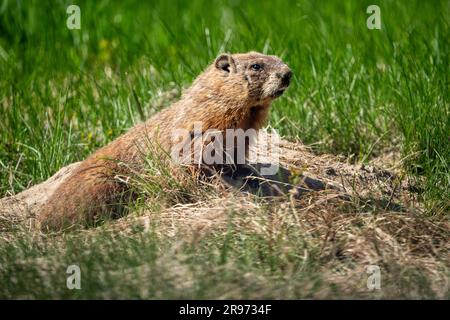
[380,224]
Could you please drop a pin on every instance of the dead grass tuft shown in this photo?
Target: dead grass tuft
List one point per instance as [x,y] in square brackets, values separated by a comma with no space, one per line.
[381,223]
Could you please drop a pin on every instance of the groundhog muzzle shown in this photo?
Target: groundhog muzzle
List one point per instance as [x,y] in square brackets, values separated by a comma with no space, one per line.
[234,92]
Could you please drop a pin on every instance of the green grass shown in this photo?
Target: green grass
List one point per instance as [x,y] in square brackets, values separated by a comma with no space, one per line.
[356,92]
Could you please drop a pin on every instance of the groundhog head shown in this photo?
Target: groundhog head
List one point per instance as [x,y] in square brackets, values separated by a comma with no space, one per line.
[265,77]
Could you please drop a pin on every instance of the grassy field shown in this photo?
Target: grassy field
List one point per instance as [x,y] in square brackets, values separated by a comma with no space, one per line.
[356,92]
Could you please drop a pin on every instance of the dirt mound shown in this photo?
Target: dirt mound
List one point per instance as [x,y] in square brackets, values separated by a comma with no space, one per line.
[21,209]
[366,183]
[378,222]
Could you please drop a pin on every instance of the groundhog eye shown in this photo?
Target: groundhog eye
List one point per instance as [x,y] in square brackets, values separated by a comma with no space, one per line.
[255,67]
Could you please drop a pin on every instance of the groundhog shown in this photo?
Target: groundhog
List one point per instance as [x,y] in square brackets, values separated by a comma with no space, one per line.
[234,92]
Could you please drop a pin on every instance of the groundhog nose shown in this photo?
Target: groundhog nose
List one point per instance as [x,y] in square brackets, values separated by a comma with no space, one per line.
[285,77]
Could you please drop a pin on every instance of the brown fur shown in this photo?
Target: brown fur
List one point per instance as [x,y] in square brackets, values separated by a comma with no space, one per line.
[228,94]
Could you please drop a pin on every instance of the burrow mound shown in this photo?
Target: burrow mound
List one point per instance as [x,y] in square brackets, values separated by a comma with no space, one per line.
[366,182]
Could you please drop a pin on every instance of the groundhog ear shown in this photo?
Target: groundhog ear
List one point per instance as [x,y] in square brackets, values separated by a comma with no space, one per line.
[225,62]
